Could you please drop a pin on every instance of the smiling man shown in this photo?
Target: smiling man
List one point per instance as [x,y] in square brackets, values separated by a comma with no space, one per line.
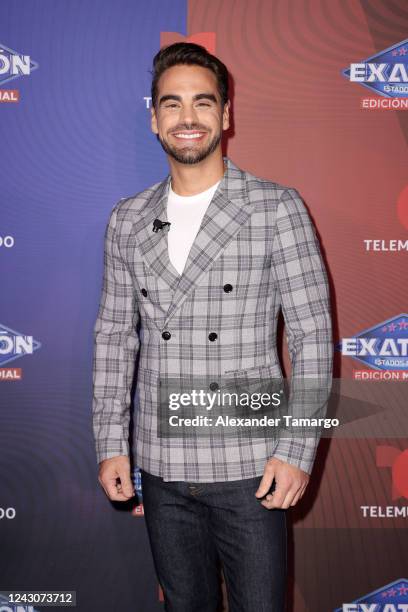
[205,259]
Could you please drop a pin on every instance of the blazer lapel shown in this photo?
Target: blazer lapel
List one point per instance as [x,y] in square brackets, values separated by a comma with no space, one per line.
[228,210]
[153,246]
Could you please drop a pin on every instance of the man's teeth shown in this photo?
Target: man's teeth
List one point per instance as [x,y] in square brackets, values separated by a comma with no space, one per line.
[188,135]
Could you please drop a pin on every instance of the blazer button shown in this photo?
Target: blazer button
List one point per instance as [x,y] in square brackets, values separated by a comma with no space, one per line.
[144,292]
[214,386]
[166,335]
[213,336]
[227,288]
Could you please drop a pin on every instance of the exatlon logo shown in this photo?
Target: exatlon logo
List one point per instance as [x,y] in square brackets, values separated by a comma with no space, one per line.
[12,66]
[391,598]
[385,74]
[383,347]
[14,345]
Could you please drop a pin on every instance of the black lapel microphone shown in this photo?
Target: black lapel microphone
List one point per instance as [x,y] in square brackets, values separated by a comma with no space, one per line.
[158,225]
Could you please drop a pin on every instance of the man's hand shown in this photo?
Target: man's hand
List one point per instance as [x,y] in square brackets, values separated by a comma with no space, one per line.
[109,471]
[291,483]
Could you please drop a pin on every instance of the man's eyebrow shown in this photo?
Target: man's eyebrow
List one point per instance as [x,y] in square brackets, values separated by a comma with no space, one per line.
[200,96]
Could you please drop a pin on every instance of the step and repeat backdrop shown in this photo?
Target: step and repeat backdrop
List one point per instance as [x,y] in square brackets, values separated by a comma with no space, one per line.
[319,95]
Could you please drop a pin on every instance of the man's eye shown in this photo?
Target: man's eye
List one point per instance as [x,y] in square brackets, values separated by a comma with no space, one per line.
[170,105]
[203,104]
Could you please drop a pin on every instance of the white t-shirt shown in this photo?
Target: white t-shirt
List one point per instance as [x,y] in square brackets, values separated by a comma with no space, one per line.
[185,214]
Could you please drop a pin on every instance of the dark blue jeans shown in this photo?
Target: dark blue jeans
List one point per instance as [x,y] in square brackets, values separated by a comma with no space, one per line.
[193,527]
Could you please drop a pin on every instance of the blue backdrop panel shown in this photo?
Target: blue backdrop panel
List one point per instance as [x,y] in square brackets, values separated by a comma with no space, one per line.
[78,140]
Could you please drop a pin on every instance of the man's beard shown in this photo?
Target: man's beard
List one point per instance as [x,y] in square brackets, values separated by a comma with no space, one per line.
[190,155]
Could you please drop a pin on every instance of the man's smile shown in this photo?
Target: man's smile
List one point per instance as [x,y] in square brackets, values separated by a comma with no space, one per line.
[189,135]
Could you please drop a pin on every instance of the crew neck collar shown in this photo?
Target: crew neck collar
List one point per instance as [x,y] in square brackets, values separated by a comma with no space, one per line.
[176,195]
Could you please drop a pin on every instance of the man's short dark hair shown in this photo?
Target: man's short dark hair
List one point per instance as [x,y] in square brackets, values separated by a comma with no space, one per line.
[191,54]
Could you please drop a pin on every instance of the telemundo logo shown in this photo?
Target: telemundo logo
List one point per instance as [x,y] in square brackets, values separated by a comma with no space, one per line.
[6,242]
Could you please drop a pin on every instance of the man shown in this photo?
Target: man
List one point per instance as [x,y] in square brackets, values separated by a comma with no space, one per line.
[207,290]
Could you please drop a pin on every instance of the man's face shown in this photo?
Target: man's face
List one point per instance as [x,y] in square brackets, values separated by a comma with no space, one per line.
[188,119]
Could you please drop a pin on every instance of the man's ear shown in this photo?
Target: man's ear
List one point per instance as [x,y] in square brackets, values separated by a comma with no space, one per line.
[153,120]
[225,115]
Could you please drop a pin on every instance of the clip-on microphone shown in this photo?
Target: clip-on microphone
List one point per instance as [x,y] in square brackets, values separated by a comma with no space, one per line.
[158,225]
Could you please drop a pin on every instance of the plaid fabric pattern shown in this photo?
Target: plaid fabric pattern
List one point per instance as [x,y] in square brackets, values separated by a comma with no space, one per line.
[257,236]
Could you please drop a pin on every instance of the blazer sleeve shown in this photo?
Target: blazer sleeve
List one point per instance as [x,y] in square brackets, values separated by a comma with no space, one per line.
[116,344]
[302,281]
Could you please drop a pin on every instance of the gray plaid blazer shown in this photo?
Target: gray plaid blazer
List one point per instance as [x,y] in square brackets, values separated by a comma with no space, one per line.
[256,237]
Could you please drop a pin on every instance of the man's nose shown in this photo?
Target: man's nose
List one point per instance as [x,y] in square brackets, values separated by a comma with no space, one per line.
[188,114]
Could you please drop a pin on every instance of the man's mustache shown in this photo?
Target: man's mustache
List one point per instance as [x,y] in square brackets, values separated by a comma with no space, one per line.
[190,128]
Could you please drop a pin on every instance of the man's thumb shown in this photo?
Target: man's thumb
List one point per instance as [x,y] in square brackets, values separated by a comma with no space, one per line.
[265,483]
[127,486]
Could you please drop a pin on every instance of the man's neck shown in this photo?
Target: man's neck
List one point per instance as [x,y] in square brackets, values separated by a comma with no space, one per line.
[191,179]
